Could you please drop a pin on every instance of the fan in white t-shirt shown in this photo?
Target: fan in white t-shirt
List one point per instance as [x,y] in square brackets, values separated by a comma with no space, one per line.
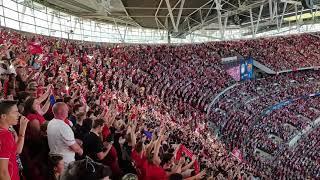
[60,136]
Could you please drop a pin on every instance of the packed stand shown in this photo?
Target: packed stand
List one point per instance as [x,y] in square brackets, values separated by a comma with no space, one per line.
[243,120]
[68,101]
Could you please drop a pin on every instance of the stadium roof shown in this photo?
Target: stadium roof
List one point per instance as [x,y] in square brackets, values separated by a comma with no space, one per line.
[180,17]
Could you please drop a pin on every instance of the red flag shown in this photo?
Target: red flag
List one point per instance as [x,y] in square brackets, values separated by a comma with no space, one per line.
[35,48]
[188,153]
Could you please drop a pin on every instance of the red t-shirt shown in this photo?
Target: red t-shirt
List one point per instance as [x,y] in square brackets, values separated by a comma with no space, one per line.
[136,158]
[38,117]
[105,132]
[154,172]
[8,150]
[112,161]
[139,163]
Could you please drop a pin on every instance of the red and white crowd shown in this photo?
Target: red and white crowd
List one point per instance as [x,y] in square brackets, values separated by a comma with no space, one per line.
[82,110]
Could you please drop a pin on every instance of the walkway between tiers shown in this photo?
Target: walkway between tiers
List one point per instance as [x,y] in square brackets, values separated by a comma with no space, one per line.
[304,132]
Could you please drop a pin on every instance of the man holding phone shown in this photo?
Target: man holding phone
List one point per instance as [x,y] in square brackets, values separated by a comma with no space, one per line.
[9,147]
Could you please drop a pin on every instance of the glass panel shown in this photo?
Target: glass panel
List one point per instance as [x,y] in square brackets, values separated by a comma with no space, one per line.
[11,14]
[42,23]
[55,33]
[1,10]
[86,25]
[65,35]
[77,37]
[10,4]
[28,10]
[55,26]
[43,31]
[40,15]
[2,21]
[12,23]
[26,19]
[27,27]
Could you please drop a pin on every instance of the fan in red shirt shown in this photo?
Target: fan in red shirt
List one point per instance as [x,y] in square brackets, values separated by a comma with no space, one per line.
[138,158]
[9,147]
[152,168]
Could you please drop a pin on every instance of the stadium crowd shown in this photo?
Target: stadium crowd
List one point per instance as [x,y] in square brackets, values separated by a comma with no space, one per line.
[244,120]
[138,111]
[65,100]
[278,53]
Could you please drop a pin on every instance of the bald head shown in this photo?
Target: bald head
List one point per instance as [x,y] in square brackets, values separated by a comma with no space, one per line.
[60,110]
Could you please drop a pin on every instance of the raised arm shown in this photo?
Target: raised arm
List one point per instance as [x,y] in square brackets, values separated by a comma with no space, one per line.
[22,130]
[44,96]
[45,107]
[158,144]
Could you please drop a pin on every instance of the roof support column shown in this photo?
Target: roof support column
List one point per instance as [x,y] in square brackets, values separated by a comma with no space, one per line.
[259,17]
[225,25]
[180,12]
[171,16]
[117,27]
[270,10]
[218,5]
[284,10]
[296,11]
[276,14]
[252,26]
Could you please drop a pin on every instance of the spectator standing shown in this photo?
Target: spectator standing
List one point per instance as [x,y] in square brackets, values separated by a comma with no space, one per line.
[60,135]
[92,142]
[9,147]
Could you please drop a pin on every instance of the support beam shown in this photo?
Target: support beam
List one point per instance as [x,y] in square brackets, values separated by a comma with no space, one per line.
[284,10]
[300,16]
[252,26]
[171,16]
[230,13]
[296,11]
[188,24]
[259,17]
[202,7]
[225,25]
[218,5]
[164,27]
[276,15]
[209,11]
[155,15]
[201,18]
[117,27]
[270,10]
[275,4]
[180,12]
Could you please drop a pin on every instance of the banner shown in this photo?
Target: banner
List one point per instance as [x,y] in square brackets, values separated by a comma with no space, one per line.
[188,153]
[287,102]
[246,69]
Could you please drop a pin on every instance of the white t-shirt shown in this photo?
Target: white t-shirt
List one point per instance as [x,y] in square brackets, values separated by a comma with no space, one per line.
[60,137]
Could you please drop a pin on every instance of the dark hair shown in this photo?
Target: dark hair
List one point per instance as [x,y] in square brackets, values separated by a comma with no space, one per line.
[175,176]
[139,146]
[76,107]
[5,106]
[54,160]
[98,122]
[67,99]
[166,158]
[28,109]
